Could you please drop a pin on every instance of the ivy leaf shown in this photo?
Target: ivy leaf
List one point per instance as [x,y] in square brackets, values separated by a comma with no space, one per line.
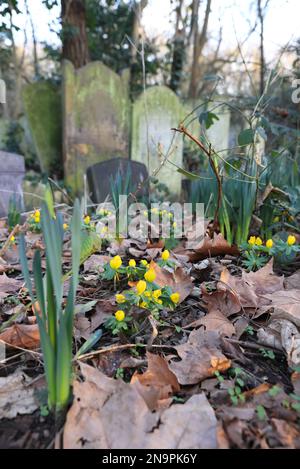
[208,118]
[246,137]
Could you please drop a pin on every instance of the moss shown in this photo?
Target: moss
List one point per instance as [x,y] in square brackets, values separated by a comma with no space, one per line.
[42,105]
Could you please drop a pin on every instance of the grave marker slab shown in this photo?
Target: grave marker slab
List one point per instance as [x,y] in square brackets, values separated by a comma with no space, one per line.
[12,171]
[154,114]
[96,118]
[100,176]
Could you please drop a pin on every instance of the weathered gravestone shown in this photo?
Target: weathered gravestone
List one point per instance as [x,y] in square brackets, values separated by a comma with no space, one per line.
[12,171]
[103,177]
[155,112]
[96,118]
[42,106]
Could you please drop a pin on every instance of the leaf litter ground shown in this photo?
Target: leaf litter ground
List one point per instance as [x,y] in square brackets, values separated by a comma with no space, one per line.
[220,371]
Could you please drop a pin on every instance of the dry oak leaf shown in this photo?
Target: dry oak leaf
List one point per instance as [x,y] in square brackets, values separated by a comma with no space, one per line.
[22,335]
[264,280]
[286,305]
[16,396]
[178,281]
[157,384]
[110,414]
[211,247]
[292,282]
[9,285]
[216,321]
[198,356]
[95,263]
[225,301]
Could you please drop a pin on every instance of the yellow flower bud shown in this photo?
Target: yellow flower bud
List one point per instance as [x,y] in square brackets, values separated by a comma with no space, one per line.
[175,297]
[252,240]
[120,298]
[165,255]
[291,240]
[150,275]
[120,315]
[116,262]
[258,241]
[143,304]
[141,287]
[269,243]
[65,226]
[147,294]
[132,263]
[12,239]
[144,262]
[87,220]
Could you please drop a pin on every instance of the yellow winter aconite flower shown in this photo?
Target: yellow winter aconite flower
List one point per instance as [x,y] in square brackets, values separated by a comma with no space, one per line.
[37,216]
[150,275]
[165,255]
[120,315]
[144,262]
[12,239]
[141,287]
[174,224]
[65,226]
[269,243]
[276,219]
[132,263]
[120,298]
[87,220]
[258,241]
[291,240]
[143,304]
[116,262]
[175,297]
[145,213]
[156,294]
[252,240]
[147,294]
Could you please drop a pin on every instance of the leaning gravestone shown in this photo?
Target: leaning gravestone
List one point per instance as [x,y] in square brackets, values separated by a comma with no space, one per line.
[102,177]
[155,112]
[96,118]
[12,171]
[42,106]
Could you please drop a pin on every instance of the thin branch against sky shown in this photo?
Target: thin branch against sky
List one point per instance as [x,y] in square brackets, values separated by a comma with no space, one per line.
[281,25]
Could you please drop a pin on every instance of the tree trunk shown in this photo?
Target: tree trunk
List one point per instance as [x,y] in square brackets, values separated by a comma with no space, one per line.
[199,43]
[75,42]
[262,53]
[178,50]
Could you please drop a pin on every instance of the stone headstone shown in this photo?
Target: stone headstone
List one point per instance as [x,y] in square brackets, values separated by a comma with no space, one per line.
[154,114]
[96,118]
[102,174]
[42,106]
[12,171]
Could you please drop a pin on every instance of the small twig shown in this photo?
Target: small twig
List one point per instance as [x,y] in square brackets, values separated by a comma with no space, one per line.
[208,153]
[154,331]
[7,242]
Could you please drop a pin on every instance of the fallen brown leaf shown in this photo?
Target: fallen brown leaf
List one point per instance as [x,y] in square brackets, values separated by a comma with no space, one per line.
[157,383]
[178,281]
[22,335]
[9,285]
[286,305]
[16,396]
[110,414]
[211,247]
[196,357]
[216,321]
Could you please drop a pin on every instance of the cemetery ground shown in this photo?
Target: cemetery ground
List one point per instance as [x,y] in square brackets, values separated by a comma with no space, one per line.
[169,347]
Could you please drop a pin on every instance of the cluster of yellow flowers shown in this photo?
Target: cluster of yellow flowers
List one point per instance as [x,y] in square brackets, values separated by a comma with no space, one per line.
[104,212]
[147,298]
[36,216]
[291,240]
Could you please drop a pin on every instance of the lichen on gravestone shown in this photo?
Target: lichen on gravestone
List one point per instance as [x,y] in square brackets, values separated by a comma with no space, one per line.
[96,118]
[155,112]
[42,106]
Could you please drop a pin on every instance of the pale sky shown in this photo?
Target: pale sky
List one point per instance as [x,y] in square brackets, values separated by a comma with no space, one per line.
[282,21]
